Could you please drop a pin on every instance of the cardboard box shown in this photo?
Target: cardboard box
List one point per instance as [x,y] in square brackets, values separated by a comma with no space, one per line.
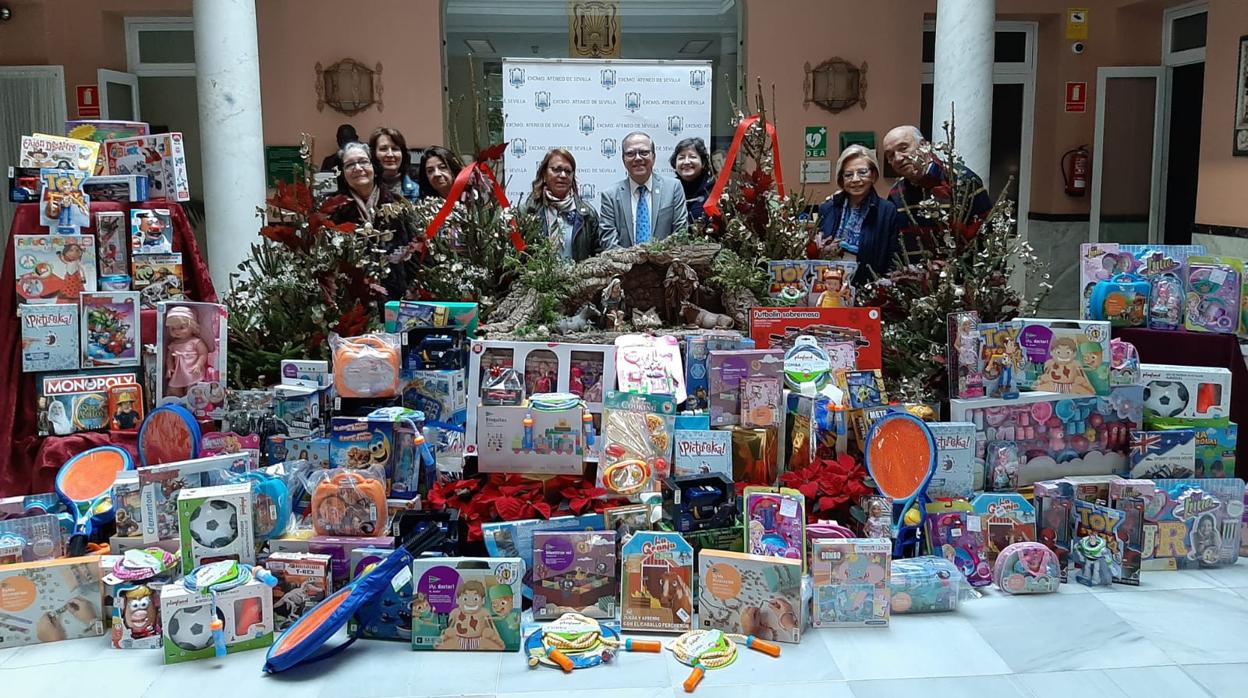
[1070,356]
[727,370]
[50,600]
[53,268]
[215,523]
[751,595]
[135,612]
[312,374]
[1215,450]
[702,451]
[1178,396]
[574,572]
[957,474]
[121,189]
[401,316]
[159,485]
[697,348]
[778,327]
[303,580]
[206,398]
[466,603]
[441,394]
[557,448]
[49,337]
[161,157]
[1165,453]
[74,402]
[186,617]
[110,328]
[851,578]
[656,583]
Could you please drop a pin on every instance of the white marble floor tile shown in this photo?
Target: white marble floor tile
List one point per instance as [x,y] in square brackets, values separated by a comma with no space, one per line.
[123,681]
[390,669]
[1062,632]
[1221,680]
[236,676]
[1157,581]
[1232,576]
[933,644]
[629,670]
[806,662]
[1093,682]
[82,650]
[765,688]
[1156,681]
[555,689]
[949,687]
[1199,626]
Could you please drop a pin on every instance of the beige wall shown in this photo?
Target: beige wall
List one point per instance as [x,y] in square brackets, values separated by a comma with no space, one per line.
[1223,178]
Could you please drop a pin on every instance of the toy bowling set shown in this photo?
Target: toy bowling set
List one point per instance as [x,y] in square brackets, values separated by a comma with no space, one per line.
[750,595]
[303,580]
[574,572]
[50,600]
[1065,356]
[49,337]
[851,582]
[466,603]
[53,268]
[656,585]
[1186,395]
[215,523]
[110,328]
[245,611]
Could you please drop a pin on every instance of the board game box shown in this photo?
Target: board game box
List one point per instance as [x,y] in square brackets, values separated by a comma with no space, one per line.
[49,337]
[574,572]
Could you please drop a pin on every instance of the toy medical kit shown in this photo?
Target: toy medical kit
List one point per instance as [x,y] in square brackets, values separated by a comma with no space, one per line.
[775,522]
[84,483]
[956,473]
[713,649]
[1194,523]
[728,369]
[699,502]
[151,231]
[348,502]
[366,366]
[217,609]
[110,329]
[53,268]
[49,340]
[1065,356]
[466,603]
[900,454]
[574,571]
[134,585]
[926,584]
[1001,358]
[161,156]
[1122,300]
[575,641]
[962,355]
[656,571]
[958,536]
[750,595]
[302,642]
[1027,568]
[215,523]
[157,278]
[1165,308]
[1214,294]
[1177,396]
[531,440]
[702,452]
[851,582]
[637,442]
[50,600]
[112,244]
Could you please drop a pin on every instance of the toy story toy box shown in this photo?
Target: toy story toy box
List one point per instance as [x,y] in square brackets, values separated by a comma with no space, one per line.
[751,595]
[466,603]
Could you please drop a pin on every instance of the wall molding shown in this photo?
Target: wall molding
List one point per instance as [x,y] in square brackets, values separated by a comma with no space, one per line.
[1224,230]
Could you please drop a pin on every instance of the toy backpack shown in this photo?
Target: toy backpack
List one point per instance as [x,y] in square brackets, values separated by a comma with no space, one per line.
[1027,568]
[1123,301]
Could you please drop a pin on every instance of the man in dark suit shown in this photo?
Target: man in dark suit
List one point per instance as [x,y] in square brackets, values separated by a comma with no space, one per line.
[644,207]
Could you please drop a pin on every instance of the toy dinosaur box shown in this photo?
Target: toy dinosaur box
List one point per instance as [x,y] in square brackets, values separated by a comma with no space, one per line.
[303,580]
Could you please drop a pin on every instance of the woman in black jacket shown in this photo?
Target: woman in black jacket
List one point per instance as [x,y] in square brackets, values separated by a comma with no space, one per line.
[856,223]
[565,216]
[693,166]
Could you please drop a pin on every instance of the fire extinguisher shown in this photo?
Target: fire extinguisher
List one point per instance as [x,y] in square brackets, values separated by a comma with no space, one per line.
[1076,166]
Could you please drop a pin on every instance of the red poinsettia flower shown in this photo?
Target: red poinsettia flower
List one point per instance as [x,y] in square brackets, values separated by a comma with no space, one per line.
[830,486]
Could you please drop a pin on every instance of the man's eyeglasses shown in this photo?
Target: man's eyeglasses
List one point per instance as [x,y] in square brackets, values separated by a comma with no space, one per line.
[634,154]
[559,170]
[856,174]
[357,164]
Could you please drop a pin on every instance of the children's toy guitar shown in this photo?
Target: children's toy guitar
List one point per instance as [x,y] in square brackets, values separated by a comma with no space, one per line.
[574,641]
[713,649]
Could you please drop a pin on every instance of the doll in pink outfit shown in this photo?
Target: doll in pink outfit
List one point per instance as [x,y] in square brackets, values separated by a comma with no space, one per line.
[186,355]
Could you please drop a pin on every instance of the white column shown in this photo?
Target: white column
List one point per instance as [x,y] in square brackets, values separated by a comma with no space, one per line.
[964,57]
[227,74]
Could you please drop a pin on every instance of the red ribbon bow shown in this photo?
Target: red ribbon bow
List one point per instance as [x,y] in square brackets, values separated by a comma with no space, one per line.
[712,200]
[481,165]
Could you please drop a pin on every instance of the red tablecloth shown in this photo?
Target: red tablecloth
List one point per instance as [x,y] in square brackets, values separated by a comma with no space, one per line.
[28,462]
[1201,349]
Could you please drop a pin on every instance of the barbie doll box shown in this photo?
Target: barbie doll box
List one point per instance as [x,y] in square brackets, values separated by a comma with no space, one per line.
[50,600]
[1065,356]
[750,595]
[466,603]
[851,578]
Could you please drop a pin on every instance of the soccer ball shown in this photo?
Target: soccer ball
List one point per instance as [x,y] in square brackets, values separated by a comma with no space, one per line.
[191,628]
[214,523]
[1165,398]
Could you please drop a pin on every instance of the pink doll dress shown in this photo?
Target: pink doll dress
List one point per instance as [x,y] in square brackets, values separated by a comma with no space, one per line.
[184,354]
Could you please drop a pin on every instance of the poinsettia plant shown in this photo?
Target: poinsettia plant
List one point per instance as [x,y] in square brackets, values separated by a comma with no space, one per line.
[508,497]
[831,486]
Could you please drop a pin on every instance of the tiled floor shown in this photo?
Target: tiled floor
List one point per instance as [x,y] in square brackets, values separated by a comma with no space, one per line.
[1180,635]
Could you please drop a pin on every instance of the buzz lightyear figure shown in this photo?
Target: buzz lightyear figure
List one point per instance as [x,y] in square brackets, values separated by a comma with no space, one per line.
[1091,561]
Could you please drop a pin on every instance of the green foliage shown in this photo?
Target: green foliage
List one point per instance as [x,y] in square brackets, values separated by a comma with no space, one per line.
[542,268]
[730,272]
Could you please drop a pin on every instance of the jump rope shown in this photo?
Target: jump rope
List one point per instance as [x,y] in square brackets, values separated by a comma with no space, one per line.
[713,649]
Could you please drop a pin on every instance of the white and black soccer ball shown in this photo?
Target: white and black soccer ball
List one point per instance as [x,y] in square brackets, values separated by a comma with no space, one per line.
[1165,398]
[214,523]
[191,628]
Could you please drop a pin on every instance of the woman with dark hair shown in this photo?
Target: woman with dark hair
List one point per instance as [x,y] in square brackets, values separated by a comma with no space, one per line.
[565,216]
[437,171]
[693,165]
[391,162]
[364,198]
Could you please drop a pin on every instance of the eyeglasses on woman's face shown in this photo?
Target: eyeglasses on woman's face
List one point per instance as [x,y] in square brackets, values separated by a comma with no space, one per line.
[860,173]
[559,170]
[358,165]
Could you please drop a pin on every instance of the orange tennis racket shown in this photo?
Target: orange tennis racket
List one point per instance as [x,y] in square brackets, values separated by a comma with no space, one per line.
[85,482]
[901,457]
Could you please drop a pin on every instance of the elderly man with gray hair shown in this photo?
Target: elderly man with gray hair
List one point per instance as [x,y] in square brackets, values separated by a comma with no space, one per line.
[923,176]
[644,207]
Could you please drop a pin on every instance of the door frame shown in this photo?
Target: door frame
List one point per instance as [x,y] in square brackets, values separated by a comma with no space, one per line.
[104,76]
[1104,74]
[1172,61]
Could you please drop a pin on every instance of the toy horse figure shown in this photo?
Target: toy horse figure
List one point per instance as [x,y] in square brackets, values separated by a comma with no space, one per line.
[705,319]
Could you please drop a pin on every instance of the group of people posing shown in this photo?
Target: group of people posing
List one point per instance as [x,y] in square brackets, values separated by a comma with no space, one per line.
[855,223]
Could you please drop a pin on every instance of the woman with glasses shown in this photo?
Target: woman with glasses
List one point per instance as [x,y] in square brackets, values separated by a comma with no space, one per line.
[565,216]
[361,205]
[856,224]
[693,165]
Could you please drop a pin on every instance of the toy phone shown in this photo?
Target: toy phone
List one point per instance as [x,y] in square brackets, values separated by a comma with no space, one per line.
[348,503]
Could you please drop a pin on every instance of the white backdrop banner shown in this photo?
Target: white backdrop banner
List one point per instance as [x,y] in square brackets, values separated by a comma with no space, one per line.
[588,106]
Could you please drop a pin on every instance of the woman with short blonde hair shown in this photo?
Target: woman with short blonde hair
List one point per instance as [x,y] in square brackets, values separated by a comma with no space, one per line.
[856,223]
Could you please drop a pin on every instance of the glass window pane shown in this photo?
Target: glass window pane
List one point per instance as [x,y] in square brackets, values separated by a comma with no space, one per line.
[1010,47]
[929,46]
[1188,32]
[120,101]
[176,46]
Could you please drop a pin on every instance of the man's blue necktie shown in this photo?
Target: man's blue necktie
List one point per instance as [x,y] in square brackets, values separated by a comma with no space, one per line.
[643,217]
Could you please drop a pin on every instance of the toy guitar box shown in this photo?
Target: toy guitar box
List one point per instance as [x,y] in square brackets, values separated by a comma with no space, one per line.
[750,595]
[464,603]
[162,157]
[656,585]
